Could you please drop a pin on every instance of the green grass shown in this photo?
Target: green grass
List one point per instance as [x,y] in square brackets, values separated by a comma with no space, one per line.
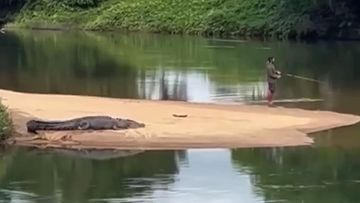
[199,17]
[278,18]
[5,123]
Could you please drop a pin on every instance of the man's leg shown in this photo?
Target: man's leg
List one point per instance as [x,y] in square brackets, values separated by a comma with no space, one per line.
[269,98]
[271,92]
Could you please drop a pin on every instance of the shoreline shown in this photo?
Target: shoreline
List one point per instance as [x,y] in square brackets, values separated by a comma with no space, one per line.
[208,125]
[262,37]
[76,28]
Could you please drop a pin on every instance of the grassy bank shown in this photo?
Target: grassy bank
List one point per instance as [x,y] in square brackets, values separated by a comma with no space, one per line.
[212,17]
[280,18]
[5,123]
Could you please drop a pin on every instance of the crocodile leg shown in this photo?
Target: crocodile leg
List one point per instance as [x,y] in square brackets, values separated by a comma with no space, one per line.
[83,125]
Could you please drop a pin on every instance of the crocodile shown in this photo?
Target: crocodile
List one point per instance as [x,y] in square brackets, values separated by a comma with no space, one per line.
[83,123]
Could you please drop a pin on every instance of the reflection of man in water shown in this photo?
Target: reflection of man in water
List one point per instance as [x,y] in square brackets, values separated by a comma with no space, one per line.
[272,76]
[2,29]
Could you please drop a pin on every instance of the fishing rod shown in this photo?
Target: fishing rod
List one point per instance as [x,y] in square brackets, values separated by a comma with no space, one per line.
[303,78]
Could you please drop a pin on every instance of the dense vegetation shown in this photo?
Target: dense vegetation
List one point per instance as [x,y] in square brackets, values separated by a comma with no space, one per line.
[281,18]
[5,123]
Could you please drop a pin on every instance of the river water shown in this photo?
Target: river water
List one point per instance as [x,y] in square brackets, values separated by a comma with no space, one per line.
[192,69]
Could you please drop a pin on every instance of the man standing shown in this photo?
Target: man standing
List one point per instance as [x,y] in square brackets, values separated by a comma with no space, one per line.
[272,76]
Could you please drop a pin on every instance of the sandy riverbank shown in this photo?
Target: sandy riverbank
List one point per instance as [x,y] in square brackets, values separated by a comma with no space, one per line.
[207,125]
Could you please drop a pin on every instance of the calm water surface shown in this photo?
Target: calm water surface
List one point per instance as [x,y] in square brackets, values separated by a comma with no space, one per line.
[188,69]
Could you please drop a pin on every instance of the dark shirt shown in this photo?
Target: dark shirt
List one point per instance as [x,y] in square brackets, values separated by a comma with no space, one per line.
[272,76]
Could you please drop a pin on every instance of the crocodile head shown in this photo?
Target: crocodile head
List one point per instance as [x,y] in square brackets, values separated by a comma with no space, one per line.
[131,123]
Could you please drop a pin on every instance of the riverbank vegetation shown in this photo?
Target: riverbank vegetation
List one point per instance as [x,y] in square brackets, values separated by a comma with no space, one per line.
[278,18]
[5,123]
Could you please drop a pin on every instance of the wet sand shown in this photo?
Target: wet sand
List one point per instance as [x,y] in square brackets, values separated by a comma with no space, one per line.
[206,125]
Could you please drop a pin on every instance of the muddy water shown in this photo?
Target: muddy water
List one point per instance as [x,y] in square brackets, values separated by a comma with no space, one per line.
[189,69]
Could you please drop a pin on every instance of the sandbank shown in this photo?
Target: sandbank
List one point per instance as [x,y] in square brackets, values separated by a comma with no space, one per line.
[206,125]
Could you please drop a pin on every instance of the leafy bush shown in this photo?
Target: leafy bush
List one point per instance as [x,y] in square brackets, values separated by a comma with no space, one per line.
[5,123]
[81,3]
[208,17]
[11,2]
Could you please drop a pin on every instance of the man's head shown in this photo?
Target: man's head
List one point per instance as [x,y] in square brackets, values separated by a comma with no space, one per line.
[271,59]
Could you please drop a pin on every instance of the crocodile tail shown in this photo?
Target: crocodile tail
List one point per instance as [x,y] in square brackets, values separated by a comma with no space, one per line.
[58,127]
[33,126]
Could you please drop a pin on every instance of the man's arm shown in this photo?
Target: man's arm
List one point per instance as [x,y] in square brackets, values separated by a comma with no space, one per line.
[274,74]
